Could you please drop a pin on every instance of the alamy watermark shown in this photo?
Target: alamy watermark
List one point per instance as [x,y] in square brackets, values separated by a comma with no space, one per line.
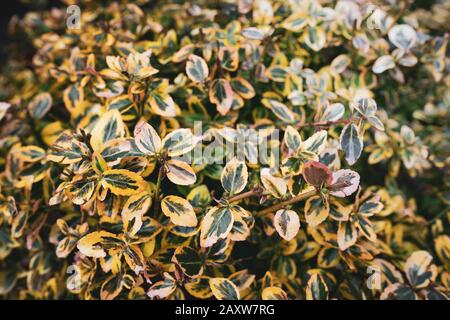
[73,15]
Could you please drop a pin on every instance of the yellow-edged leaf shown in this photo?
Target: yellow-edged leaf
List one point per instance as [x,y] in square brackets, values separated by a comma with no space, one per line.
[122,182]
[179,210]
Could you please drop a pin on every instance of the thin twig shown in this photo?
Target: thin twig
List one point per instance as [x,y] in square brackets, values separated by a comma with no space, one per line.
[158,186]
[244,195]
[302,196]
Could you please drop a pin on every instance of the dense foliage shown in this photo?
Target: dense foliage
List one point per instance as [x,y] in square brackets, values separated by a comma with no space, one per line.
[247,149]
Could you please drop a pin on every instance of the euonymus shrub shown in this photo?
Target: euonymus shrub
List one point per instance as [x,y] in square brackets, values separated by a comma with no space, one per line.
[320,170]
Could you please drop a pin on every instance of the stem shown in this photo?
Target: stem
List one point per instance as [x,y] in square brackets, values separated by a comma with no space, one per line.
[302,196]
[144,98]
[244,195]
[158,186]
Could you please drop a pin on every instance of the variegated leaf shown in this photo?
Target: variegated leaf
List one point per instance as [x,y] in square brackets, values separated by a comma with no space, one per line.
[274,293]
[315,211]
[122,182]
[179,210]
[275,185]
[351,143]
[162,104]
[316,288]
[234,176]
[189,261]
[344,183]
[243,88]
[417,269]
[162,289]
[196,68]
[216,225]
[40,105]
[108,127]
[287,223]
[383,63]
[346,235]
[147,139]
[92,244]
[180,172]
[403,36]
[199,287]
[179,142]
[221,94]
[292,138]
[333,112]
[316,143]
[133,210]
[279,109]
[224,289]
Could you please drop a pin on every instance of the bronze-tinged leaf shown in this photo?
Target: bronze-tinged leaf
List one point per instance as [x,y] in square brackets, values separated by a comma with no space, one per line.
[345,182]
[317,174]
